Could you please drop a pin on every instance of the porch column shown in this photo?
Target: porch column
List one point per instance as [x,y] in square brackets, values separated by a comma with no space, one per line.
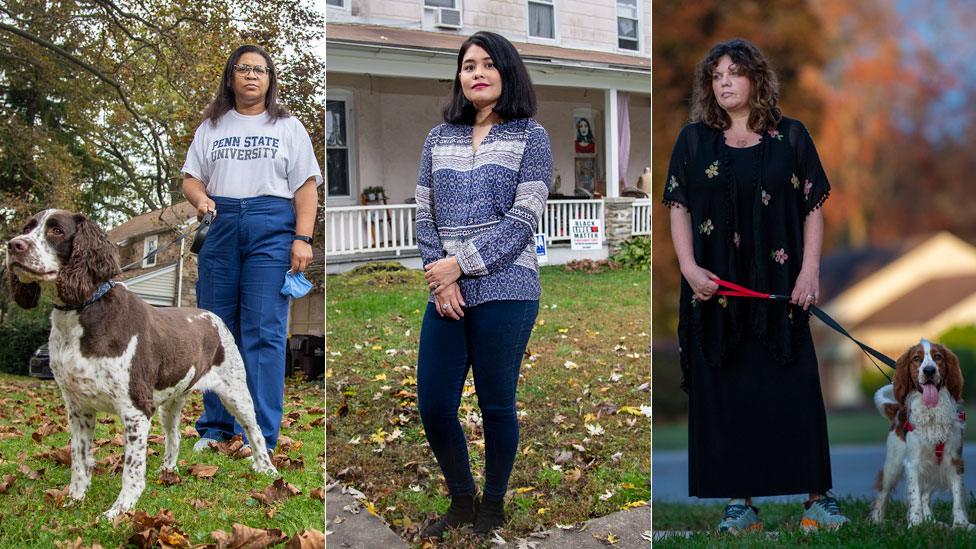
[618,218]
[611,151]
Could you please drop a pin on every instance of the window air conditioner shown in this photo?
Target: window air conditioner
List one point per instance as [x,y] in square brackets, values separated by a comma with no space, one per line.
[447,18]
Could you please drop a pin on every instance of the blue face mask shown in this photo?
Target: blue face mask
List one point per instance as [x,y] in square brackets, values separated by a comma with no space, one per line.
[296,285]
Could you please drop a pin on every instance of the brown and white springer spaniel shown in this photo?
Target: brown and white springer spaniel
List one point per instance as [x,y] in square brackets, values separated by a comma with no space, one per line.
[113,352]
[925,443]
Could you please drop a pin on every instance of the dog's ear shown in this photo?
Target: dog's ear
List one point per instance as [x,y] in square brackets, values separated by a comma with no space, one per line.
[902,383]
[25,295]
[93,261]
[954,381]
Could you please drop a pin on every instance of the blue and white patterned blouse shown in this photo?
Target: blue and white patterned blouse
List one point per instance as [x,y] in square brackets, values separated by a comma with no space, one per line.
[484,208]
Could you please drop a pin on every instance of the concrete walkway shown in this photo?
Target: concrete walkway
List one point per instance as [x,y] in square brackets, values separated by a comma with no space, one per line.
[631,529]
[348,524]
[853,468]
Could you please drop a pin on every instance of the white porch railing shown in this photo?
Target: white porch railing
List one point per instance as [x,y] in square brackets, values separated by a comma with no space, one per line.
[559,214]
[361,229]
[641,217]
[391,228]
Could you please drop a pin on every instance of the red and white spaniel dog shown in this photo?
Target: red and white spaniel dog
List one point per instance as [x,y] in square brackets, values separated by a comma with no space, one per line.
[113,352]
[925,443]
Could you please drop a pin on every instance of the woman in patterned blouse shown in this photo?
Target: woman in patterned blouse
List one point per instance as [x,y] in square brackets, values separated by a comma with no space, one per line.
[482,188]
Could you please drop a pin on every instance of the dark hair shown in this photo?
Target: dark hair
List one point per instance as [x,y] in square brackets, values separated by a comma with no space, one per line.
[764,100]
[517,99]
[224,100]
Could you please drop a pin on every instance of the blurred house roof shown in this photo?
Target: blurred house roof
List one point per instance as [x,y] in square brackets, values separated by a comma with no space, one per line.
[152,222]
[393,37]
[846,267]
[891,296]
[925,301]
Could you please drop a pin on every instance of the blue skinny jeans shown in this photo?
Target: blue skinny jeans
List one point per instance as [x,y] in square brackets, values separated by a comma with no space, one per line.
[490,339]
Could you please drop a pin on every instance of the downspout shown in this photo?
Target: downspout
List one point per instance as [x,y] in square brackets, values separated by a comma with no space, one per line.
[179,275]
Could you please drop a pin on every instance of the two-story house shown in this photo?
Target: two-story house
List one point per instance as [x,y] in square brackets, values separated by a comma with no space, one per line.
[390,67]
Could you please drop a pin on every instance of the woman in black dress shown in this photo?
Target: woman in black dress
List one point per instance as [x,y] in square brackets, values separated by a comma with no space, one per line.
[745,187]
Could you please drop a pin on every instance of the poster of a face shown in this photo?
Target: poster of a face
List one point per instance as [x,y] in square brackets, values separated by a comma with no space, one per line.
[585,142]
[586,174]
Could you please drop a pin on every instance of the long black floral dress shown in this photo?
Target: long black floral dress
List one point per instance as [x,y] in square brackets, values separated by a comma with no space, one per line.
[756,422]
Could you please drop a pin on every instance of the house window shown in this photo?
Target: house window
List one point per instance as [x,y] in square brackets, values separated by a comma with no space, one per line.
[452,4]
[336,3]
[628,25]
[340,154]
[542,19]
[149,247]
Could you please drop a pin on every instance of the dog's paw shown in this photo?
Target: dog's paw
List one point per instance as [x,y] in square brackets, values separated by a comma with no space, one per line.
[263,466]
[267,468]
[966,525]
[112,514]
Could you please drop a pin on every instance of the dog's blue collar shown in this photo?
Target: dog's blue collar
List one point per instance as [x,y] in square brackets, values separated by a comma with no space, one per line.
[99,293]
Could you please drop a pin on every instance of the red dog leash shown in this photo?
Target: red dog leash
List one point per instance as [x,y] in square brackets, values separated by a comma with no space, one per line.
[734,290]
[731,289]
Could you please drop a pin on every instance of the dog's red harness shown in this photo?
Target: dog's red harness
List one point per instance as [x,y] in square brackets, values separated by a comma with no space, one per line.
[939,446]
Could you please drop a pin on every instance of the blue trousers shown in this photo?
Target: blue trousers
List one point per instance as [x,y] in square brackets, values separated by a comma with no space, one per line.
[491,339]
[242,267]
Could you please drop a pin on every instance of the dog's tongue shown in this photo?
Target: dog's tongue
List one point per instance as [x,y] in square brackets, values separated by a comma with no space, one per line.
[930,395]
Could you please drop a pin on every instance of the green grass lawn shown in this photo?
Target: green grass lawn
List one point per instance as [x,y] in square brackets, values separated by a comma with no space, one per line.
[861,427]
[851,427]
[30,518]
[782,523]
[588,365]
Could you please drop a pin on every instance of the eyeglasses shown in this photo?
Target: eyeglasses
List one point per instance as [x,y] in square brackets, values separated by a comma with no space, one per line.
[259,70]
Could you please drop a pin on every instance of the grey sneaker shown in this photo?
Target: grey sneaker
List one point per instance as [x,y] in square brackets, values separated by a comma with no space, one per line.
[203,445]
[740,518]
[822,514]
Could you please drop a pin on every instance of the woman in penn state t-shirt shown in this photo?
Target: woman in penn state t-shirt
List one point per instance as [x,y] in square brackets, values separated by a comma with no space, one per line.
[253,164]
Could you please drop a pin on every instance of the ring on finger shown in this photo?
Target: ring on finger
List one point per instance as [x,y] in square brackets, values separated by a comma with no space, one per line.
[444,306]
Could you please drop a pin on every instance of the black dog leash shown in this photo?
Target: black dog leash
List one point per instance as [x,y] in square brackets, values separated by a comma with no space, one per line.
[734,290]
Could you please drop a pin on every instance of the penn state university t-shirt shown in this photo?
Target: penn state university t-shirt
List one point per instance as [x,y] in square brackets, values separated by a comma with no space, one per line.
[252,155]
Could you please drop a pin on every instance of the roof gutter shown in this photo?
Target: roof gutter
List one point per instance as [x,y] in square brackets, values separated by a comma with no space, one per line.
[529,60]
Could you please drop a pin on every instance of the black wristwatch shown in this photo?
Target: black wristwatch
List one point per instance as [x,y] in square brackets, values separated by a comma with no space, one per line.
[304,238]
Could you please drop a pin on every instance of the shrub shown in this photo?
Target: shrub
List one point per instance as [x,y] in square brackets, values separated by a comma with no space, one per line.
[961,340]
[873,379]
[21,337]
[635,253]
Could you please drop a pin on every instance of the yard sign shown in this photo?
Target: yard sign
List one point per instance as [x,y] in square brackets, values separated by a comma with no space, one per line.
[586,234]
[540,248]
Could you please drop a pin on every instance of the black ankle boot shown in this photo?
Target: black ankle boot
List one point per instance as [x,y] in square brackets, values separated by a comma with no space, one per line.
[491,515]
[462,511]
